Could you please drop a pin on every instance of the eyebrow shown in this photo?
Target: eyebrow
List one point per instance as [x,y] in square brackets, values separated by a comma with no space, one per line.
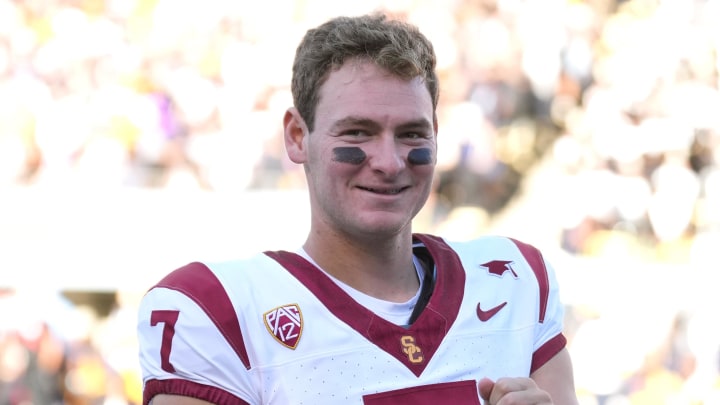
[353,121]
[419,124]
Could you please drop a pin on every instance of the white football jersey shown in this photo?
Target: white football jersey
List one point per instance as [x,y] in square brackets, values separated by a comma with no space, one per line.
[274,329]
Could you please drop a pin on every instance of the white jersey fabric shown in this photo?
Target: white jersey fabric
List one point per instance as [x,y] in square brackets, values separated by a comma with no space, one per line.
[274,329]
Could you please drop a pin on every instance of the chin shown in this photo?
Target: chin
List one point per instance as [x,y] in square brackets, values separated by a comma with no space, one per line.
[381,228]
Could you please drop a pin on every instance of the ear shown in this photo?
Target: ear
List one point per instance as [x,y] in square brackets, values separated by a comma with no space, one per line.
[296,133]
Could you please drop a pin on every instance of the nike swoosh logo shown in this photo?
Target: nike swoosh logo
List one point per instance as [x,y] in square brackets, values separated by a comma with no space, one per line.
[486,315]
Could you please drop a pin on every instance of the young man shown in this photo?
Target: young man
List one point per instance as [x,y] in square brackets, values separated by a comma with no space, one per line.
[366,312]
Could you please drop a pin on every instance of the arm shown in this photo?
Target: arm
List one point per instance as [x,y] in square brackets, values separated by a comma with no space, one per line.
[556,378]
[551,384]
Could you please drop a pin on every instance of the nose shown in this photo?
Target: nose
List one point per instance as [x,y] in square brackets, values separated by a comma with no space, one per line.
[386,156]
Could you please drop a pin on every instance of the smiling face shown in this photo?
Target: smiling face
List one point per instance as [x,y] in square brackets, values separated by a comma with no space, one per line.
[370,158]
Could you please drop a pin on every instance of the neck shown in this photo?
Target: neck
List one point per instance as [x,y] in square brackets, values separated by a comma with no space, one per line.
[382,267]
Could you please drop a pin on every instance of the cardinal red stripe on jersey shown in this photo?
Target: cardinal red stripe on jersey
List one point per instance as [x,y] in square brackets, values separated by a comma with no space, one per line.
[534,257]
[427,331]
[201,285]
[456,393]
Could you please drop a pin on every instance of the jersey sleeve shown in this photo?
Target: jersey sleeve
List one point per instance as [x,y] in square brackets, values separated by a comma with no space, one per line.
[190,340]
[549,338]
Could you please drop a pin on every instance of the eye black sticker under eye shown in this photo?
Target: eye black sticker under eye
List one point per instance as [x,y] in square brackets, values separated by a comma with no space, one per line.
[420,156]
[349,154]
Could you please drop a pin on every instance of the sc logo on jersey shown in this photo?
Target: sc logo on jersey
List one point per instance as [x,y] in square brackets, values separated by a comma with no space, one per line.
[285,323]
[411,349]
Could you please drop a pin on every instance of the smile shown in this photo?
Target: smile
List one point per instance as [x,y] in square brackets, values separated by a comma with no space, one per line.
[386,191]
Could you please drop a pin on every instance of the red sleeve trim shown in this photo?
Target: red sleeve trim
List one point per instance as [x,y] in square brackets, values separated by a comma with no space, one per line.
[189,389]
[547,352]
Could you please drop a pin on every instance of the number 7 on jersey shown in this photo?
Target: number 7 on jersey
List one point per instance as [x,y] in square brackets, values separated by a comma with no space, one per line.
[168,318]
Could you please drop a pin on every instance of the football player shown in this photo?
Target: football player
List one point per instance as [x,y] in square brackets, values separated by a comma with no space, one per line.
[365,311]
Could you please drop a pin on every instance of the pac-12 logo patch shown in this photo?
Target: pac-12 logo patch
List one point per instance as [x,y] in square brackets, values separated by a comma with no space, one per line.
[285,323]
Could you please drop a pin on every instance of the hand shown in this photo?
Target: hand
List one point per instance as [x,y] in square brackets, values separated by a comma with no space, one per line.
[514,391]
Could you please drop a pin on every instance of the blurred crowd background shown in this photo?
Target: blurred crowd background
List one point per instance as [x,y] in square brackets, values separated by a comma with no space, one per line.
[588,128]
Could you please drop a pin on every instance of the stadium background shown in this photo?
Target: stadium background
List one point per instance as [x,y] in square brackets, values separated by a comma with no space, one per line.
[138,135]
